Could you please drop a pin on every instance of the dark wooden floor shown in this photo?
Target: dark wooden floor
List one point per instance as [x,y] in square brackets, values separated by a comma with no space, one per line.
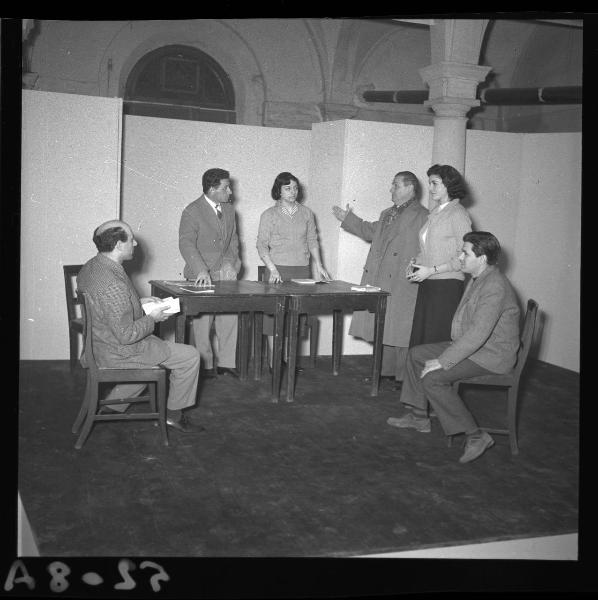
[323,476]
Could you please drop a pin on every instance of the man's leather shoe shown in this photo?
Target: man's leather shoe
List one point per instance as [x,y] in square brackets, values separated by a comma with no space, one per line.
[208,374]
[411,421]
[184,426]
[228,371]
[475,445]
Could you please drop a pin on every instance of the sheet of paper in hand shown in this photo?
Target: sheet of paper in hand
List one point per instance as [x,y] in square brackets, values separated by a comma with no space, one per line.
[173,304]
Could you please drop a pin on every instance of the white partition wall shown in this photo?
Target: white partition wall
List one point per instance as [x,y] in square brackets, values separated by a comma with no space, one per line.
[70,183]
[354,162]
[525,188]
[548,241]
[163,162]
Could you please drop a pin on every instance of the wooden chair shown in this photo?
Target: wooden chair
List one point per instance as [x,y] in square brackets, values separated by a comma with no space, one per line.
[307,325]
[509,381]
[155,377]
[72,301]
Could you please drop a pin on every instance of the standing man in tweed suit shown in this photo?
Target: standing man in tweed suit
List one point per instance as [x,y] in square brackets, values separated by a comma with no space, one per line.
[484,340]
[394,243]
[209,243]
[123,334]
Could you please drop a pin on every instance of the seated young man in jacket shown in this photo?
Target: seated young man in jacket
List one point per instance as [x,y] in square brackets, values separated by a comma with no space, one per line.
[484,340]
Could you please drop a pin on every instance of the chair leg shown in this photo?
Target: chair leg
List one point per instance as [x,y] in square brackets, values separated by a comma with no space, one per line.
[92,407]
[74,347]
[314,331]
[84,404]
[512,394]
[161,392]
[152,395]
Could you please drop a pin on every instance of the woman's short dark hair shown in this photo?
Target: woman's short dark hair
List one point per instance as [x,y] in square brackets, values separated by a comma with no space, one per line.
[283,178]
[409,178]
[485,243]
[212,178]
[106,240]
[452,180]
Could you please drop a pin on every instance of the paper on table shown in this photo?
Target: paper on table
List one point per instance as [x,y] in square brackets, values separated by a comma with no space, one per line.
[173,304]
[303,281]
[365,288]
[197,290]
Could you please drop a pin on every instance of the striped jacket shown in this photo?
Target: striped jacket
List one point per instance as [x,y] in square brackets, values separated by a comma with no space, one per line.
[122,332]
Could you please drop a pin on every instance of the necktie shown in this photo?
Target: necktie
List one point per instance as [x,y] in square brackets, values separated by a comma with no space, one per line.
[219,211]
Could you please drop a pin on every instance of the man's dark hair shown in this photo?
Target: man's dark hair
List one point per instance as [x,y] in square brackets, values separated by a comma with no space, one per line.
[409,178]
[452,180]
[106,241]
[283,178]
[212,178]
[485,243]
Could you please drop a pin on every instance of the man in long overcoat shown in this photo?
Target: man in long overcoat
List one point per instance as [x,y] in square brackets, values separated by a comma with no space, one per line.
[394,242]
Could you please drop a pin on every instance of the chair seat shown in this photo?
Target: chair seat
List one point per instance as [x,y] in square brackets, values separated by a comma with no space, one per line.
[124,375]
[506,380]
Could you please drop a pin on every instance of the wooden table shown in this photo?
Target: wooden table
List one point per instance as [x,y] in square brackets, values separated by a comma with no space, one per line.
[242,297]
[253,298]
[333,297]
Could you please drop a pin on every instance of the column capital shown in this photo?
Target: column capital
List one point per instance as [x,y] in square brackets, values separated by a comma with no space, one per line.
[453,80]
[451,106]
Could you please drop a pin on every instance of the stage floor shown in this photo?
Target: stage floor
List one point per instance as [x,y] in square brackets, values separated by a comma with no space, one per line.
[324,476]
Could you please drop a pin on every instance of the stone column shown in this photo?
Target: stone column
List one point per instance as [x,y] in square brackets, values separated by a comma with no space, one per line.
[453,88]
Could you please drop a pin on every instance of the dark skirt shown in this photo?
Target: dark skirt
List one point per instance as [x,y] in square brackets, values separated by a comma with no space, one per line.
[437,301]
[287,273]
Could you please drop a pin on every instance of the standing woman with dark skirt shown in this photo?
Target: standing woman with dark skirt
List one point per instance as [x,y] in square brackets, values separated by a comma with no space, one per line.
[437,269]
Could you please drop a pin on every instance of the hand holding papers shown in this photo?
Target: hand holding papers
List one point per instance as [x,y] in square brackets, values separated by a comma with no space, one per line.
[172,305]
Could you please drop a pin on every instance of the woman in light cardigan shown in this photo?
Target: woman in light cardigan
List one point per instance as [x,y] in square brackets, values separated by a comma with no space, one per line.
[437,269]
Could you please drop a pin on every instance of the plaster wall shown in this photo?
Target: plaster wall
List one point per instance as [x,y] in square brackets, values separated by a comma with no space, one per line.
[70,183]
[164,160]
[547,261]
[524,188]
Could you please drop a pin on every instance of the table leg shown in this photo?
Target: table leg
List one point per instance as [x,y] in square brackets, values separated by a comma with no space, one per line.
[179,332]
[277,347]
[243,345]
[378,335]
[337,337]
[258,328]
[293,325]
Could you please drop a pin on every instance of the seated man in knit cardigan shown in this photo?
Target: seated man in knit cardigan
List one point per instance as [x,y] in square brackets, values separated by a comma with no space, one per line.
[484,340]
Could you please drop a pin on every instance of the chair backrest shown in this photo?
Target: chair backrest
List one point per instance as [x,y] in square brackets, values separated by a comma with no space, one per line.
[90,359]
[527,335]
[261,273]
[70,287]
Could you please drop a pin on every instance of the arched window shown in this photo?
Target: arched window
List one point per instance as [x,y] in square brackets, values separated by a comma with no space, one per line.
[180,82]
